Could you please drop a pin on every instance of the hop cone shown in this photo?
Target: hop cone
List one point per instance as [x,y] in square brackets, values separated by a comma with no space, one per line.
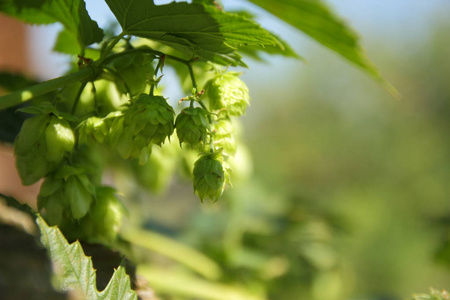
[104,219]
[68,192]
[149,120]
[192,124]
[92,130]
[41,145]
[229,92]
[223,137]
[209,177]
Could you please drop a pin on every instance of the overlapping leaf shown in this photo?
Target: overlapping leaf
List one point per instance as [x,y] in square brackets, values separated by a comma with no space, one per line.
[202,31]
[79,29]
[75,270]
[314,18]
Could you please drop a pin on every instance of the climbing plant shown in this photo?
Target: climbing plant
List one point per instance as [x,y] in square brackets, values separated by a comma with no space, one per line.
[111,106]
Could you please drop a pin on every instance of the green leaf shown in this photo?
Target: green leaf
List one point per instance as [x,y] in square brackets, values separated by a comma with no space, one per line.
[29,11]
[256,52]
[66,43]
[201,31]
[74,270]
[71,13]
[314,18]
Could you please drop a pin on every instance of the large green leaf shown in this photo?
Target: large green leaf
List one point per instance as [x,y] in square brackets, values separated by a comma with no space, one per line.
[78,26]
[201,31]
[74,270]
[314,18]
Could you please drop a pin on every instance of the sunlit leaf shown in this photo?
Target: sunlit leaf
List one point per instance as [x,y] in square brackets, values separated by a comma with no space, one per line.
[74,270]
[201,31]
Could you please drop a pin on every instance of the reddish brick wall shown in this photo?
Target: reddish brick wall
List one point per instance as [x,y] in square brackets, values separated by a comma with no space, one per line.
[13,58]
[12,45]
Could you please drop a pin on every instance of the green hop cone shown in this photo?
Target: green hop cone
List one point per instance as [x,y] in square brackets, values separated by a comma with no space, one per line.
[80,193]
[104,219]
[224,136]
[92,130]
[149,120]
[41,145]
[192,125]
[67,193]
[158,173]
[152,117]
[93,160]
[60,139]
[228,92]
[51,198]
[209,177]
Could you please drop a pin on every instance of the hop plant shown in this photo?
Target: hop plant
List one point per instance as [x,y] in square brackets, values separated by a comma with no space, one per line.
[192,126]
[42,143]
[209,176]
[149,120]
[68,192]
[227,91]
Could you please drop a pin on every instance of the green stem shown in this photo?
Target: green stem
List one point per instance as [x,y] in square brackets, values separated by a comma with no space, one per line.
[110,47]
[18,97]
[191,73]
[94,91]
[147,51]
[211,134]
[158,66]
[77,98]
[203,106]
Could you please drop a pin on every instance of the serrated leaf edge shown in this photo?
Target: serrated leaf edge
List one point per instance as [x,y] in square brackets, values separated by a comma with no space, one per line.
[119,282]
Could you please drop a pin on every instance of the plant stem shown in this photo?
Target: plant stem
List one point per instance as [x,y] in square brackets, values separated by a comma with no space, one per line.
[110,47]
[77,98]
[191,73]
[210,119]
[18,97]
[203,105]
[158,66]
[145,50]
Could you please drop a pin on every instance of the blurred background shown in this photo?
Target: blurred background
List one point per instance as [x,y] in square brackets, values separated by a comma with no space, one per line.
[342,191]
